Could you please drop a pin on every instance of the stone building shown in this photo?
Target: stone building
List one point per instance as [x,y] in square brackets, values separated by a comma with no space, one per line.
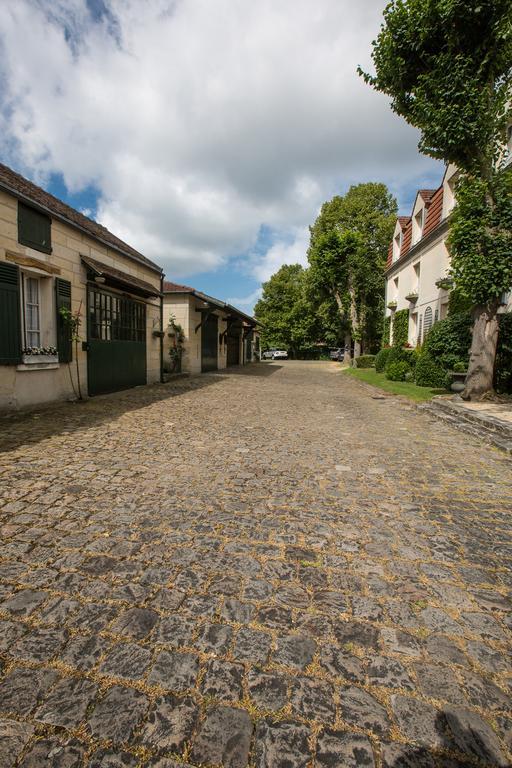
[54,259]
[216,334]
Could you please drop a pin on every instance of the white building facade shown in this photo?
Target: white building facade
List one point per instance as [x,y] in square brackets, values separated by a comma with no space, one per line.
[419,262]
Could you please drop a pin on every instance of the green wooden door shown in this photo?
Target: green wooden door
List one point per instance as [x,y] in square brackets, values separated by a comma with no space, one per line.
[209,344]
[116,355]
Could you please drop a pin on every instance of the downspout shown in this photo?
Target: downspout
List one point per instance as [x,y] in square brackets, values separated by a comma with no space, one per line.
[161,328]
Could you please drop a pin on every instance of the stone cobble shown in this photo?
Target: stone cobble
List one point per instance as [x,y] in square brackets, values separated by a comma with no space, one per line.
[275,567]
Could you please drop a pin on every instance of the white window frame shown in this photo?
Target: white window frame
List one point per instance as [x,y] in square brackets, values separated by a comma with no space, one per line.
[28,332]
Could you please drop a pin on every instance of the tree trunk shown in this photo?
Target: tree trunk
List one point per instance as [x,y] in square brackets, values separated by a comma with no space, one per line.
[348,348]
[348,336]
[482,354]
[354,322]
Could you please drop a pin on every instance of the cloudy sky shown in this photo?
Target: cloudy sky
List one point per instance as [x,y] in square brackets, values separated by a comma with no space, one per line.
[206,133]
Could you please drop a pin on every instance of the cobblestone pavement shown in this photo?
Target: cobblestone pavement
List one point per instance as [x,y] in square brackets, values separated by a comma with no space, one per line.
[273,567]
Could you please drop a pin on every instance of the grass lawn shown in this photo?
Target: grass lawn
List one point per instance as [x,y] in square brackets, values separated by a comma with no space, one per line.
[404,388]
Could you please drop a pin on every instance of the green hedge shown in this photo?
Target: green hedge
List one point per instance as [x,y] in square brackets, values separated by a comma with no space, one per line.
[397,371]
[364,361]
[428,372]
[449,340]
[386,331]
[400,328]
[402,354]
[381,359]
[503,368]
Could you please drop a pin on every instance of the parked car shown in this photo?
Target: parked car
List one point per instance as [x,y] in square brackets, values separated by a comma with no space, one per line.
[337,354]
[280,354]
[267,354]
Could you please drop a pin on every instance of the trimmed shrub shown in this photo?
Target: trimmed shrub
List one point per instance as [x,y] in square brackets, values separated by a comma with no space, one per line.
[381,359]
[364,361]
[402,354]
[428,372]
[397,371]
[386,330]
[449,340]
[400,327]
[503,367]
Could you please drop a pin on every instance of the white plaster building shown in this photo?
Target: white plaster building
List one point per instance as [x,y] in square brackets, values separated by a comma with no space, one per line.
[418,261]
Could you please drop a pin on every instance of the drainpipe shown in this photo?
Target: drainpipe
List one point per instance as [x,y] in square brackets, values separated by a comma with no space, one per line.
[161,328]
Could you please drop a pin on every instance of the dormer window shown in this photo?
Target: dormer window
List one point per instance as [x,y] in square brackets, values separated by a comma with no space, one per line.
[419,221]
[397,245]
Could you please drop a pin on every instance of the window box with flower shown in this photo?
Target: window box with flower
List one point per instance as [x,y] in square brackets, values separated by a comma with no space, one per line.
[40,356]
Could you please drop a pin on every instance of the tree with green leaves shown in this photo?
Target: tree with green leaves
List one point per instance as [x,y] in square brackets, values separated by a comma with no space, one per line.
[280,310]
[294,316]
[347,256]
[446,64]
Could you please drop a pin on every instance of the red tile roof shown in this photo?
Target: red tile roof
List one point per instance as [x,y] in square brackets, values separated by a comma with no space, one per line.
[406,240]
[390,255]
[434,212]
[24,189]
[177,288]
[434,207]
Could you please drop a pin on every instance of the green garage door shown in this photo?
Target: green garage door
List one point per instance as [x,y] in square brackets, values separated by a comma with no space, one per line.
[116,357]
[209,344]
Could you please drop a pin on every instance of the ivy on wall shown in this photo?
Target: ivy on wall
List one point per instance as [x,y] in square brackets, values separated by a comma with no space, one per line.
[386,331]
[400,328]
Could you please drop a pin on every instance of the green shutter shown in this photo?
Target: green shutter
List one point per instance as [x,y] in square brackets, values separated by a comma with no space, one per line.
[34,229]
[10,315]
[64,341]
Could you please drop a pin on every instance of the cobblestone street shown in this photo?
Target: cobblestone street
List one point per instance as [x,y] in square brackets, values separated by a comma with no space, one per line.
[275,566]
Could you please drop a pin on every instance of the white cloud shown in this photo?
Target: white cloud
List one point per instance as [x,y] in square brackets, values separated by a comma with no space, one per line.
[200,120]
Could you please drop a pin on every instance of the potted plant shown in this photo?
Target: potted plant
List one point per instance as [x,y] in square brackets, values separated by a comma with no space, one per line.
[412,296]
[177,335]
[392,304]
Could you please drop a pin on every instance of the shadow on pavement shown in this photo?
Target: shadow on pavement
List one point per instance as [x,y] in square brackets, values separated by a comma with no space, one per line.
[18,428]
[458,730]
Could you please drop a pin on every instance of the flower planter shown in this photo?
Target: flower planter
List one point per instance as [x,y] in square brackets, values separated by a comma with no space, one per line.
[158,334]
[39,359]
[412,297]
[458,381]
[392,305]
[444,284]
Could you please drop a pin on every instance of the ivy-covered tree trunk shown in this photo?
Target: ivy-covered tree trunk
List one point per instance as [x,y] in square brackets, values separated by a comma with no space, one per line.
[348,336]
[354,321]
[348,348]
[482,354]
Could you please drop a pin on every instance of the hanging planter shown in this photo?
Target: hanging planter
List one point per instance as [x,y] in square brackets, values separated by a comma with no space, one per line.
[444,283]
[392,305]
[412,296]
[158,334]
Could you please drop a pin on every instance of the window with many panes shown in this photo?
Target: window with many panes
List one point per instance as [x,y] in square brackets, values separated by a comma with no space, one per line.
[32,306]
[116,318]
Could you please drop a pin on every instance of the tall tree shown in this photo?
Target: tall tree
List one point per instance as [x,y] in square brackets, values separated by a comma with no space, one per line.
[347,254]
[446,64]
[287,321]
